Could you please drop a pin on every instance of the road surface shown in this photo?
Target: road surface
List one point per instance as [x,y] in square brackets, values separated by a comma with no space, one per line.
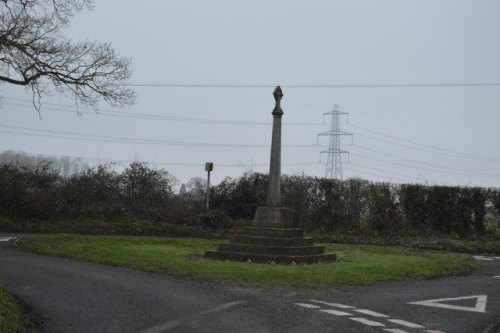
[83,297]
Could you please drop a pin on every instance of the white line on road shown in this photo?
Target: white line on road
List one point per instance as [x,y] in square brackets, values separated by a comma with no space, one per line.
[6,239]
[405,323]
[308,306]
[335,305]
[180,321]
[483,258]
[371,313]
[498,276]
[336,312]
[367,322]
[438,303]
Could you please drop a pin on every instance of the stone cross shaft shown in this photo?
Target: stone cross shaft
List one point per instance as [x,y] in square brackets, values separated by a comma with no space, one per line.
[273,237]
[274,191]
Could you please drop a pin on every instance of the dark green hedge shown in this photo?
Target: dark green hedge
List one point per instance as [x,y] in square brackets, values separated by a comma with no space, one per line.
[357,205]
[101,200]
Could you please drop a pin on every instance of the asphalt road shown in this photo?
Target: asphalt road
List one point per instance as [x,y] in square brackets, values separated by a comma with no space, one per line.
[83,297]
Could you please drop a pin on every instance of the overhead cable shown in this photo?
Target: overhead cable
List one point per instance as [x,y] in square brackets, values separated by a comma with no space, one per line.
[448,151]
[309,86]
[148,116]
[426,169]
[106,138]
[422,162]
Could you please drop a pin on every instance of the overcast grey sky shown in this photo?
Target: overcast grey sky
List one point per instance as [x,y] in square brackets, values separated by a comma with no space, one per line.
[269,42]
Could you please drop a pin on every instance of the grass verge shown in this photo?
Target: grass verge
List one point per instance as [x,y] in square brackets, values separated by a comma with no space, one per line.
[10,316]
[357,264]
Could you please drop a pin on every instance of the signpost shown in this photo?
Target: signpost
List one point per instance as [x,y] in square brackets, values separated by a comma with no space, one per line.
[209,166]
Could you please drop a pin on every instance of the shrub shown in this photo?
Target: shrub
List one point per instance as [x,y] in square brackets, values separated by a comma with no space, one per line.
[28,192]
[240,198]
[140,200]
[213,220]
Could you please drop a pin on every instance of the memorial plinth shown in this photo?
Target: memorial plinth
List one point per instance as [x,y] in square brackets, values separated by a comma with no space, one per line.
[273,237]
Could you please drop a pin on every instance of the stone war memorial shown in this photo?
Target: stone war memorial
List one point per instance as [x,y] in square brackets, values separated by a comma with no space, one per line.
[273,237]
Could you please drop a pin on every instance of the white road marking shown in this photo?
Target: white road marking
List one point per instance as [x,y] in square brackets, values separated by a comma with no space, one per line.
[372,323]
[180,321]
[335,305]
[479,307]
[367,322]
[498,276]
[483,258]
[405,323]
[336,312]
[496,257]
[371,313]
[308,306]
[6,239]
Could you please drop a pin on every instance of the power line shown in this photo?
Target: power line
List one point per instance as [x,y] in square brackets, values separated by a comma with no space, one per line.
[415,179]
[106,138]
[443,151]
[192,164]
[200,164]
[447,151]
[383,171]
[405,180]
[425,163]
[230,165]
[308,86]
[101,138]
[148,116]
[484,159]
[426,148]
[426,169]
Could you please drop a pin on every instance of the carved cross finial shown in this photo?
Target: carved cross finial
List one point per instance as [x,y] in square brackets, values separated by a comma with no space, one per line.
[278,94]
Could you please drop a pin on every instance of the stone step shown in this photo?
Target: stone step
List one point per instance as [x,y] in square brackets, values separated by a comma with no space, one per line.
[272,241]
[272,250]
[272,232]
[277,259]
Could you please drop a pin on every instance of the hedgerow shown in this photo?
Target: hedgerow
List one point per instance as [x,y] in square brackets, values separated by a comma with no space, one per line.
[141,200]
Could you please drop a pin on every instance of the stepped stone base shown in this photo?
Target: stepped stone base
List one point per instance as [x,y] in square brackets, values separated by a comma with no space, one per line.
[272,239]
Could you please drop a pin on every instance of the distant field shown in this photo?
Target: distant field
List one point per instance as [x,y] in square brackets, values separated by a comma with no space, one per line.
[356,265]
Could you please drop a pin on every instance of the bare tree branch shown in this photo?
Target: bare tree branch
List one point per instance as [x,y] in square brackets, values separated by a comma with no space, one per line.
[33,53]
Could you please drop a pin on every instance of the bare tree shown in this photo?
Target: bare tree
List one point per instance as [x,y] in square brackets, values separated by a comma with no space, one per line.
[34,53]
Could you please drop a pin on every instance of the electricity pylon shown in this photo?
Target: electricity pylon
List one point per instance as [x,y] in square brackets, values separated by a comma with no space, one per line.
[334,159]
